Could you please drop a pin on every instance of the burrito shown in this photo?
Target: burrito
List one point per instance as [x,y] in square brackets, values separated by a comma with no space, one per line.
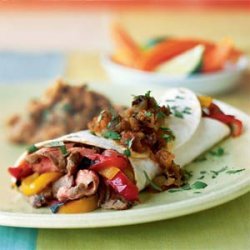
[142,147]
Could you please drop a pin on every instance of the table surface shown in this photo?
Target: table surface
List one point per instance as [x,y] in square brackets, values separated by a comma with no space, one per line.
[224,227]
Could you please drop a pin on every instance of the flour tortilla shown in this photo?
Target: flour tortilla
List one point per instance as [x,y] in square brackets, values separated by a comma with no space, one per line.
[194,135]
[140,163]
[186,103]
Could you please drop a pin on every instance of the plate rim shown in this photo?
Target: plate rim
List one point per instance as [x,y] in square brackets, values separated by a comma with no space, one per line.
[141,215]
[157,213]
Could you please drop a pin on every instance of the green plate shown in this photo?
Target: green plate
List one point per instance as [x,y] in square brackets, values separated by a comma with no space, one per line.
[221,175]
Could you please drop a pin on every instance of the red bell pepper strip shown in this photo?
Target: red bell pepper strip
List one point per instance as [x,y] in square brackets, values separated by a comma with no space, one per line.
[216,113]
[106,161]
[21,171]
[123,186]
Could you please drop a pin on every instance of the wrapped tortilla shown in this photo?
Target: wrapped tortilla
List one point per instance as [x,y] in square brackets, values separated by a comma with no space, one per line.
[189,125]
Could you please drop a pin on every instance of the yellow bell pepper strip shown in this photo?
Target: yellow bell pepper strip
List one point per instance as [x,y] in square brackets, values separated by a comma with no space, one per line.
[82,205]
[109,172]
[205,101]
[35,183]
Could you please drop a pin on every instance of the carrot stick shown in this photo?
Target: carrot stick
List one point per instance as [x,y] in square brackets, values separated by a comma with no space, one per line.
[127,50]
[167,50]
[216,56]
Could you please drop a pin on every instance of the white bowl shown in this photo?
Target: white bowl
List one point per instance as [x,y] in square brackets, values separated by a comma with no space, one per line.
[210,83]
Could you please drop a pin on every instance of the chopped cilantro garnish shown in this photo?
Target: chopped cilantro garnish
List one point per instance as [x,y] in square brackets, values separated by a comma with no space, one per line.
[186,187]
[179,97]
[177,114]
[180,113]
[111,135]
[218,152]
[235,171]
[127,152]
[200,158]
[59,144]
[32,149]
[92,132]
[198,185]
[151,183]
[187,174]
[45,114]
[201,177]
[187,110]
[168,137]
[114,121]
[148,93]
[64,150]
[160,115]
[129,142]
[218,171]
[203,172]
[166,129]
[67,108]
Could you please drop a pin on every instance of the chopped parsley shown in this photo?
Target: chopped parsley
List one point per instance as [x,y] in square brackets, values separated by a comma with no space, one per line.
[201,177]
[168,138]
[187,110]
[68,108]
[179,97]
[129,142]
[92,132]
[166,129]
[218,152]
[32,148]
[199,185]
[148,93]
[127,152]
[183,188]
[216,173]
[151,183]
[186,187]
[64,150]
[235,171]
[114,121]
[45,114]
[180,113]
[194,186]
[59,144]
[111,135]
[187,174]
[200,158]
[160,115]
